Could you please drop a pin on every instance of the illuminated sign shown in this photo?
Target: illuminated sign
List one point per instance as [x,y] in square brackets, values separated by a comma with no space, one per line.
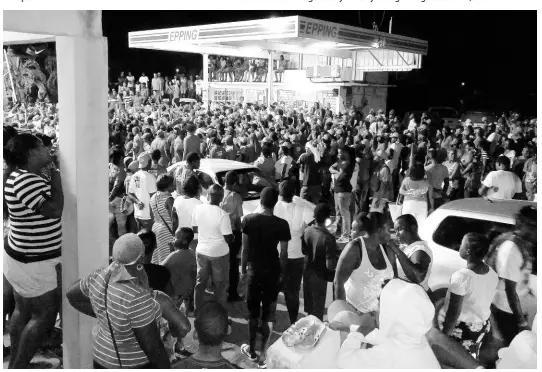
[183,34]
[322,30]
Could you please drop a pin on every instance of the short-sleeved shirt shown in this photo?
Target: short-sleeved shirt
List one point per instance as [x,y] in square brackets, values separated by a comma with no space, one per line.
[507,182]
[298,215]
[191,143]
[529,170]
[264,234]
[233,205]
[143,184]
[477,291]
[508,265]
[320,247]
[32,236]
[184,207]
[437,173]
[342,183]
[212,223]
[129,306]
[309,173]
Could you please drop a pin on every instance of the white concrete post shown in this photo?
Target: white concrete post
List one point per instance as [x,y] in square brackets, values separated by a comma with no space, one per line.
[270,77]
[82,91]
[206,78]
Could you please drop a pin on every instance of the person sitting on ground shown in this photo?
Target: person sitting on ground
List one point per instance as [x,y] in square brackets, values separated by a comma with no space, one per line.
[211,325]
[182,266]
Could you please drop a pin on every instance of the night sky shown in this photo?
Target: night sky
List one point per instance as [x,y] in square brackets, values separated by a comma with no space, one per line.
[493,52]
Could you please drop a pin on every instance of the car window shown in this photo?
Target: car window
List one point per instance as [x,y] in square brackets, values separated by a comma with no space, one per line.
[451,230]
[246,187]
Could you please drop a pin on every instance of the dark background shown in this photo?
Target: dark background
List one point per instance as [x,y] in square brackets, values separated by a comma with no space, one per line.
[492,52]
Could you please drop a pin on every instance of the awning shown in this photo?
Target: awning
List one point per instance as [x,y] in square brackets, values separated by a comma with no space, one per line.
[296,34]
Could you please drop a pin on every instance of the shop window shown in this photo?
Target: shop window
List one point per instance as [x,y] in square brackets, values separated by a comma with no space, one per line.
[451,230]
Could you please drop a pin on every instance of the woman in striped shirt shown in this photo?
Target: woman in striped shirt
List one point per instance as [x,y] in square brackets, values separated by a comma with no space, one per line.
[32,250]
[128,311]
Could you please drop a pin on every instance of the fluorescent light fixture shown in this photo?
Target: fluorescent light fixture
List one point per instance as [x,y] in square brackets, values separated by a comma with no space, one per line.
[277,25]
[325,44]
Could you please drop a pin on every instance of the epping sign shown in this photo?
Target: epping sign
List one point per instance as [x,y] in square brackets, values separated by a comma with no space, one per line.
[183,34]
[319,30]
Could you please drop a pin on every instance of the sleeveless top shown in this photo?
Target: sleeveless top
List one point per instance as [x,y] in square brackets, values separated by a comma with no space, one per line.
[365,283]
[409,251]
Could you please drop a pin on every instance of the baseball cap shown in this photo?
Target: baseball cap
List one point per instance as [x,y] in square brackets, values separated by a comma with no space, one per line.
[143,160]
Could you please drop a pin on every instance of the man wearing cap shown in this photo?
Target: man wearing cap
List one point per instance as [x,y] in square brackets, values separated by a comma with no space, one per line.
[142,187]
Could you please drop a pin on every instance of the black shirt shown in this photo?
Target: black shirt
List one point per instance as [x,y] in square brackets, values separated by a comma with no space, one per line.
[264,234]
[318,246]
[342,183]
[309,169]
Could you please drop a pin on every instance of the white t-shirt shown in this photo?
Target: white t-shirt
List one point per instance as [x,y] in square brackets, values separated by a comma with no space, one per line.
[279,165]
[131,80]
[508,183]
[508,264]
[212,223]
[296,214]
[142,185]
[184,208]
[144,79]
[409,251]
[477,291]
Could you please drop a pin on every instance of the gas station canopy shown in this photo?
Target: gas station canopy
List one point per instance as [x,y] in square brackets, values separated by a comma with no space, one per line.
[296,34]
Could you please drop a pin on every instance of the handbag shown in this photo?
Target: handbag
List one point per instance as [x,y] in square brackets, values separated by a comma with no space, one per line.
[107,278]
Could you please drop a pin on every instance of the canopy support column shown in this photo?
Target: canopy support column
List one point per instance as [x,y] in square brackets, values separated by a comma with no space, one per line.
[270,78]
[82,78]
[206,78]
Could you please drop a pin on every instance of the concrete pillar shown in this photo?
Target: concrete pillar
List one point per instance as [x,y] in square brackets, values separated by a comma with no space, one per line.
[206,78]
[82,91]
[270,77]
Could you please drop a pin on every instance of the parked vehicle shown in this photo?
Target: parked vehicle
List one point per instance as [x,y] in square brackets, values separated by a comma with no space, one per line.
[444,229]
[447,115]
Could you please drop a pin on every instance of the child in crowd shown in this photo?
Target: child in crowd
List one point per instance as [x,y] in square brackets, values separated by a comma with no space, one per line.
[183,268]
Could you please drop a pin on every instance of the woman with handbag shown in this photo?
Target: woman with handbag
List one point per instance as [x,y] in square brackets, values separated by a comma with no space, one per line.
[131,337]
[161,205]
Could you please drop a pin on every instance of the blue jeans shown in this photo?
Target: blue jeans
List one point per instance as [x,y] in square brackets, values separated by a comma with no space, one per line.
[342,211]
[218,268]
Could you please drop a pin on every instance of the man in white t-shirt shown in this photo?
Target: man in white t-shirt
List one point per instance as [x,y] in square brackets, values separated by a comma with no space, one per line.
[143,79]
[298,216]
[142,188]
[501,184]
[184,206]
[213,226]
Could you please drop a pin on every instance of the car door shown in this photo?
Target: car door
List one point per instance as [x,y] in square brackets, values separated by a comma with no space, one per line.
[444,232]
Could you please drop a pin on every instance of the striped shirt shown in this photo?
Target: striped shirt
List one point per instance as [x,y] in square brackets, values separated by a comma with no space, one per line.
[32,237]
[129,306]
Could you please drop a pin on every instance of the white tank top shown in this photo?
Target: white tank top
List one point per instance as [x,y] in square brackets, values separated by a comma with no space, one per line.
[409,251]
[365,283]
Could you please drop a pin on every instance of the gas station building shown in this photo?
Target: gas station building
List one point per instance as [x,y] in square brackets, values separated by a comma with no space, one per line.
[332,63]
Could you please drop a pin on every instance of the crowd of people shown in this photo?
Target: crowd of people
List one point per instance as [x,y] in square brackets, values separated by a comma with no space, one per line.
[240,69]
[169,248]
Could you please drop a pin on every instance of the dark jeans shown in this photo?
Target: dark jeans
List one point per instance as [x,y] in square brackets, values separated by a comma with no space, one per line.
[507,325]
[144,224]
[235,247]
[291,286]
[314,293]
[311,193]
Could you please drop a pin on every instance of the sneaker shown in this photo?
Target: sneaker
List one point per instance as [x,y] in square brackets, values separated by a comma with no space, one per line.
[252,356]
[262,364]
[343,240]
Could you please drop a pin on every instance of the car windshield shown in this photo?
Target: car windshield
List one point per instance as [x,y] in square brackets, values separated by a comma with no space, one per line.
[445,113]
[246,187]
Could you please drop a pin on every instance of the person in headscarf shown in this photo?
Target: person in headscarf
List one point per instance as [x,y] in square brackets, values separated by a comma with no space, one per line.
[521,354]
[406,315]
[123,289]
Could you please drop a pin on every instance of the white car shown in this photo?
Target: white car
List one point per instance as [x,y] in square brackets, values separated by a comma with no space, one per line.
[444,229]
[213,171]
[449,115]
